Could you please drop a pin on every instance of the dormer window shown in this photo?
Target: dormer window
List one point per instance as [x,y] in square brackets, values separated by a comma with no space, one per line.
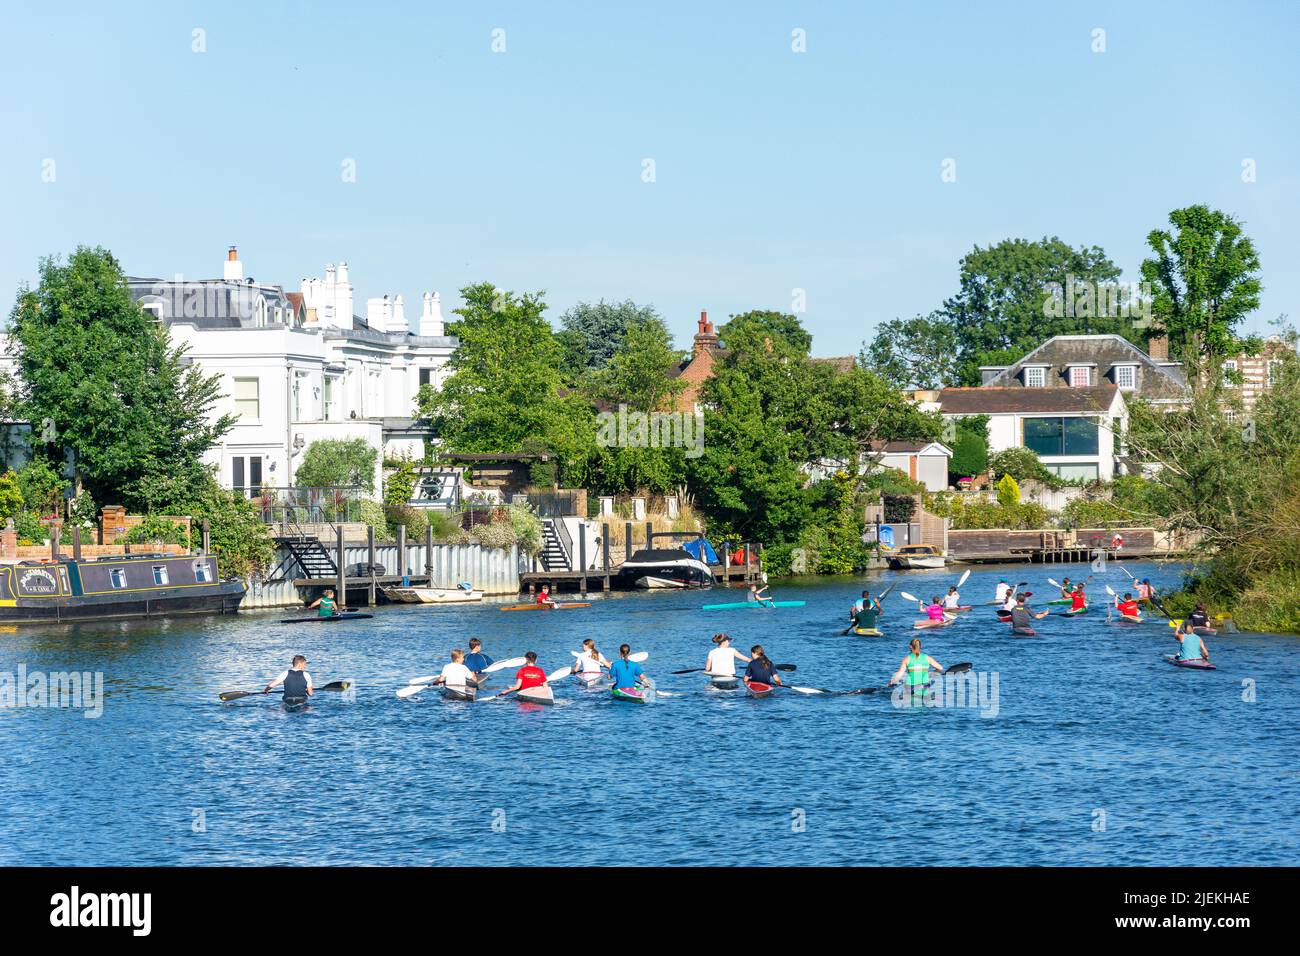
[1035,376]
[1126,377]
[1080,376]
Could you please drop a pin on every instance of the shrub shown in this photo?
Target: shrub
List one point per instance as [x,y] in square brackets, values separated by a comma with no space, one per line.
[41,486]
[500,534]
[372,513]
[1023,465]
[445,525]
[1008,492]
[527,528]
[11,496]
[415,519]
[155,529]
[30,529]
[399,485]
[899,508]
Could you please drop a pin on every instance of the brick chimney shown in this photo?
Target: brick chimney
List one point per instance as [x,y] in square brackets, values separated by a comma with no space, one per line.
[1158,346]
[706,340]
[234,268]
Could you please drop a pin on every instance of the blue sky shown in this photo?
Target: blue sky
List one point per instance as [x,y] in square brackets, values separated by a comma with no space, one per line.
[774,170]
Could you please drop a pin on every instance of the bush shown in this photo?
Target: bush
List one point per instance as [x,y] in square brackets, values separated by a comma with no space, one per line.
[899,509]
[415,519]
[41,486]
[372,513]
[1023,465]
[527,528]
[11,496]
[1008,492]
[445,525]
[338,463]
[498,534]
[399,486]
[970,447]
[157,530]
[30,529]
[983,515]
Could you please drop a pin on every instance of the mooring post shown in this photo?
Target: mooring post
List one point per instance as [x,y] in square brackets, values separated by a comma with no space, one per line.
[343,568]
[726,563]
[401,556]
[604,541]
[76,542]
[370,558]
[582,555]
[746,562]
[627,541]
[428,554]
[54,541]
[206,543]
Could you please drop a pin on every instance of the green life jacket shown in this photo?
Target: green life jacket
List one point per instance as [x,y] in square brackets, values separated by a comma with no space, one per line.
[918,670]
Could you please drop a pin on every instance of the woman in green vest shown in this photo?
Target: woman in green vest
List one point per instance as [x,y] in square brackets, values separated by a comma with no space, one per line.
[916,667]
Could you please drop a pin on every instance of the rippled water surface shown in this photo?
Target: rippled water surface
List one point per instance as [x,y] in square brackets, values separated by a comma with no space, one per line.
[1099,753]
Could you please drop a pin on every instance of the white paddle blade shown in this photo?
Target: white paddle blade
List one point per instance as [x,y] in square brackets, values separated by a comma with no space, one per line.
[1053,582]
[908,597]
[427,679]
[501,665]
[576,653]
[560,674]
[406,692]
[803,690]
[962,579]
[1109,591]
[639,657]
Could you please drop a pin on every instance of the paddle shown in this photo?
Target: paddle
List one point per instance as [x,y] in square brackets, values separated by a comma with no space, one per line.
[955,669]
[556,675]
[879,598]
[775,667]
[491,668]
[637,658]
[229,695]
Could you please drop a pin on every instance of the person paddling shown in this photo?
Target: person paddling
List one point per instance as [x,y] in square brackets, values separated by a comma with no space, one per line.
[327,605]
[934,610]
[1022,619]
[1145,591]
[759,595]
[528,676]
[1128,608]
[721,661]
[867,613]
[761,670]
[1190,645]
[591,662]
[1078,600]
[477,661]
[627,674]
[458,674]
[297,682]
[1066,590]
[1199,620]
[916,666]
[544,596]
[865,601]
[1003,590]
[952,600]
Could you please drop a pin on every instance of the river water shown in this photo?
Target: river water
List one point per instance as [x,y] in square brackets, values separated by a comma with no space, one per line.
[1095,752]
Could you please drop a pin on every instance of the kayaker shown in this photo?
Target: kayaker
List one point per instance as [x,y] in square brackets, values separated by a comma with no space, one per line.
[916,665]
[591,660]
[1022,619]
[759,595]
[1199,620]
[1117,542]
[1190,645]
[760,668]
[934,610]
[458,674]
[297,682]
[867,617]
[1145,591]
[1078,600]
[1066,590]
[627,674]
[1003,589]
[1128,607]
[952,599]
[544,596]
[476,660]
[864,601]
[722,659]
[328,606]
[528,676]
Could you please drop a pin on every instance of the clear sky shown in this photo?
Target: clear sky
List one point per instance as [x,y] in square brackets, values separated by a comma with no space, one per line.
[773,170]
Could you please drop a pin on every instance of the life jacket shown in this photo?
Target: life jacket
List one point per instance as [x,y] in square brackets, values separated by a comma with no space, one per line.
[295,684]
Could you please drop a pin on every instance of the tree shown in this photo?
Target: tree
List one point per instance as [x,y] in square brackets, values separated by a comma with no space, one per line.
[638,372]
[11,498]
[338,463]
[1008,492]
[592,334]
[1006,290]
[1206,279]
[920,352]
[506,384]
[102,375]
[42,487]
[1021,464]
[970,447]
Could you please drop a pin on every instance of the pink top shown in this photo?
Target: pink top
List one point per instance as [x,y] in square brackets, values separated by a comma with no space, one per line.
[935,611]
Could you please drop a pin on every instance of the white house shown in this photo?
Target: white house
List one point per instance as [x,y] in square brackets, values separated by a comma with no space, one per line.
[926,462]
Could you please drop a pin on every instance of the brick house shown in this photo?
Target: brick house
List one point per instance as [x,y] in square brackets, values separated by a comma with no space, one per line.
[697,368]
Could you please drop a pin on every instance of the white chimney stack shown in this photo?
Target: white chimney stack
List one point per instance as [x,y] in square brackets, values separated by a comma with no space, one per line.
[431,315]
[234,268]
[397,320]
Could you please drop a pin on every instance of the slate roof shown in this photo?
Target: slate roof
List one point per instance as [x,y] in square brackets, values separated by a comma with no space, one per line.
[990,400]
[1156,380]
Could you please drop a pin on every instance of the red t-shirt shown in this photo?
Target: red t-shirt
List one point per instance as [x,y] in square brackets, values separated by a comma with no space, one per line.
[1076,600]
[542,597]
[530,676]
[1128,608]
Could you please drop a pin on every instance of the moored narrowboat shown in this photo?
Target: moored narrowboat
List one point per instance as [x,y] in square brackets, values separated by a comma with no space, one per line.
[118,586]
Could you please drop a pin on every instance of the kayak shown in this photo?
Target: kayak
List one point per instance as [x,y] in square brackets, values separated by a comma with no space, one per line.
[1061,601]
[537,695]
[759,689]
[293,704]
[545,607]
[723,681]
[869,631]
[634,695]
[1178,621]
[963,607]
[459,693]
[1023,632]
[1081,610]
[926,625]
[1127,619]
[597,679]
[331,619]
[736,605]
[1196,663]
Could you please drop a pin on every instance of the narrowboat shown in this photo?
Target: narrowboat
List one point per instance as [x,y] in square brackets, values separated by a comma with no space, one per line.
[118,586]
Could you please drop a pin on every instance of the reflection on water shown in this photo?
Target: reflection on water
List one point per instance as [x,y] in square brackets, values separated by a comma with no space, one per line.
[1180,767]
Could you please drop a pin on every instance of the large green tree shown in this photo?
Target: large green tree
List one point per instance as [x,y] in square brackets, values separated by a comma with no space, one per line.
[338,463]
[920,352]
[99,376]
[1205,275]
[1002,304]
[591,334]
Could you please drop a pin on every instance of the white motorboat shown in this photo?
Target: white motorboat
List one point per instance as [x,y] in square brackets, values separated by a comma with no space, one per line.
[458,595]
[913,556]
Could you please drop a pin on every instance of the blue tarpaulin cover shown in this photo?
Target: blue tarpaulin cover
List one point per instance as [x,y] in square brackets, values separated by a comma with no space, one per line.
[701,550]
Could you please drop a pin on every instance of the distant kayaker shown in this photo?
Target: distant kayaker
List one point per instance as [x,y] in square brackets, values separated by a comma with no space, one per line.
[952,599]
[1000,595]
[297,682]
[458,674]
[867,616]
[1009,603]
[1190,645]
[760,668]
[591,661]
[759,595]
[1145,591]
[1128,607]
[1022,618]
[627,675]
[1066,590]
[1200,619]
[722,659]
[934,611]
[916,666]
[476,660]
[530,675]
[328,606]
[544,596]
[1078,600]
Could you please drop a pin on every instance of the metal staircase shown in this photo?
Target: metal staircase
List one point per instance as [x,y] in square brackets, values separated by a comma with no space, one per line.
[312,556]
[556,546]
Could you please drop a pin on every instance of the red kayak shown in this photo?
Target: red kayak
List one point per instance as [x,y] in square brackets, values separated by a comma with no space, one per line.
[1196,663]
[759,689]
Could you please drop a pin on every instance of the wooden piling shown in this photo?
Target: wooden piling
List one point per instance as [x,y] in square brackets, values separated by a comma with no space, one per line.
[428,554]
[342,592]
[401,551]
[370,559]
[76,543]
[206,542]
[582,556]
[604,541]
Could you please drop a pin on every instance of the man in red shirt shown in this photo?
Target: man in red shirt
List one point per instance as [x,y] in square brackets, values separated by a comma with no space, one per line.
[1078,600]
[530,675]
[544,597]
[1128,607]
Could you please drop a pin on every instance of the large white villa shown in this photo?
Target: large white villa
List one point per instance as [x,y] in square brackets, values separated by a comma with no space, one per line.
[298,367]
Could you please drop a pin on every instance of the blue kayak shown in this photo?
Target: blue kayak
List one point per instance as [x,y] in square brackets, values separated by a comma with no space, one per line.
[761,604]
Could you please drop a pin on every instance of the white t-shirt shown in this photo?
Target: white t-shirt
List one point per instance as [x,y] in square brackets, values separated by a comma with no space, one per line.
[589,665]
[951,600]
[1010,603]
[722,660]
[457,675]
[1003,590]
